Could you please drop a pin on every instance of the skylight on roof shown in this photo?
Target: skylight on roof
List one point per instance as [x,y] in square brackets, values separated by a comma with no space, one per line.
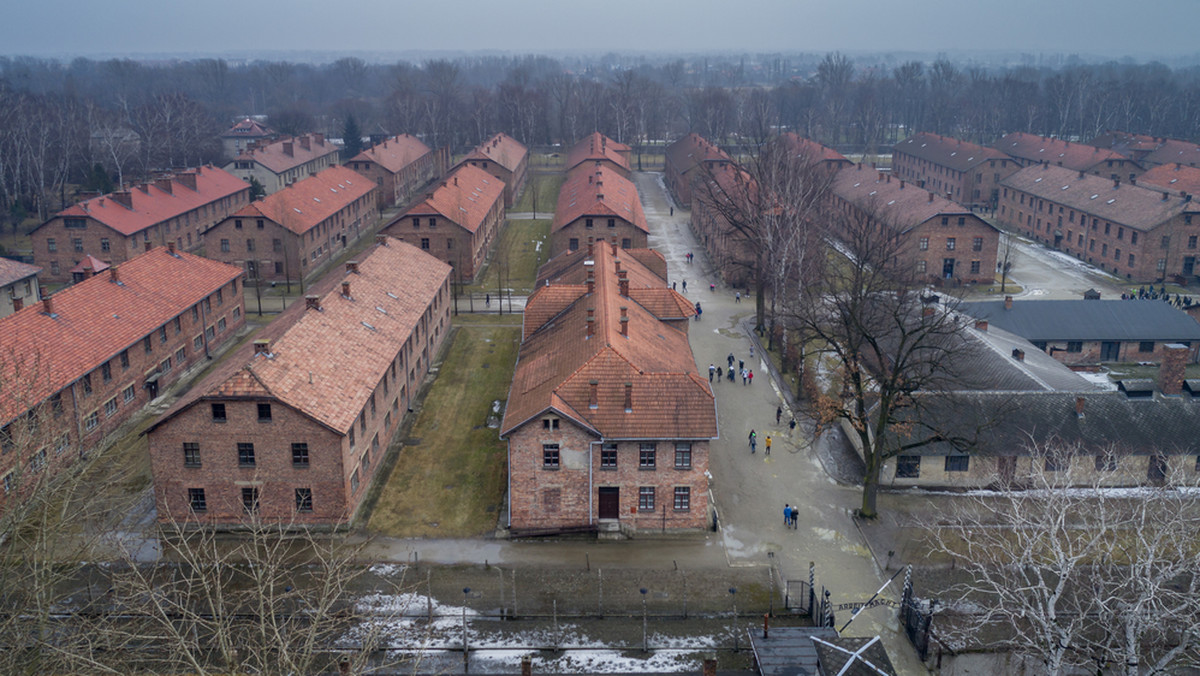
[1065,187]
[1111,200]
[368,326]
[317,199]
[393,296]
[953,153]
[1093,197]
[381,309]
[297,210]
[1038,179]
[872,193]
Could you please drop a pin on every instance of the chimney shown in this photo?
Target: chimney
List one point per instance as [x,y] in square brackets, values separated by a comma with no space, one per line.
[1019,355]
[981,325]
[593,394]
[710,667]
[48,306]
[591,327]
[381,240]
[312,302]
[352,266]
[122,197]
[171,248]
[287,149]
[590,177]
[346,290]
[305,143]
[165,185]
[1166,196]
[1116,183]
[456,181]
[18,304]
[1079,402]
[1008,302]
[1170,372]
[624,311]
[188,180]
[527,666]
[599,195]
[1132,180]
[319,138]
[931,197]
[149,246]
[113,275]
[1081,174]
[614,246]
[262,346]
[625,326]
[623,283]
[591,247]
[144,187]
[591,282]
[902,185]
[629,397]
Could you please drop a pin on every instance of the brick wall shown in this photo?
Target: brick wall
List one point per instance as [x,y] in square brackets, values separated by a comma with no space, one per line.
[469,248]
[974,241]
[982,471]
[623,230]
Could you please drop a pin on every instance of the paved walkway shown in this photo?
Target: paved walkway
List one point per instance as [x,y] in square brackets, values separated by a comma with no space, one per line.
[751,489]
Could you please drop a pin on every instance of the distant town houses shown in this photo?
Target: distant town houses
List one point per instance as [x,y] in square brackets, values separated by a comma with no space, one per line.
[1137,232]
[83,361]
[597,150]
[967,173]
[18,286]
[115,227]
[290,234]
[294,427]
[505,158]
[400,165]
[280,163]
[608,422]
[598,202]
[457,222]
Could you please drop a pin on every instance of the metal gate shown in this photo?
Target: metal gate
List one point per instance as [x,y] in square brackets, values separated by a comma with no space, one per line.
[916,616]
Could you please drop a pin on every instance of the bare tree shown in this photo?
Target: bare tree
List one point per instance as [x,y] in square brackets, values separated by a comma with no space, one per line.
[1007,258]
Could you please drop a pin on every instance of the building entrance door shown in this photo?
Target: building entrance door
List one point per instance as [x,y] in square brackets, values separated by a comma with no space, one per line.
[1110,350]
[1189,265]
[947,268]
[610,503]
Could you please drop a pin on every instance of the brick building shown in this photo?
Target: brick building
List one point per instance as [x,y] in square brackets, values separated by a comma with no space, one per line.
[400,166]
[278,164]
[1150,151]
[295,426]
[505,158]
[598,202]
[1079,332]
[457,222]
[608,422]
[730,252]
[79,364]
[687,161]
[18,285]
[1140,233]
[289,235]
[945,241]
[1175,178]
[1031,149]
[115,227]
[598,150]
[241,135]
[967,173]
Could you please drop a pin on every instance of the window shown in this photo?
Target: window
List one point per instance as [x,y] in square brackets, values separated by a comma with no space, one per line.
[304,500]
[432,222]
[683,455]
[1133,238]
[220,324]
[425,243]
[1166,242]
[106,371]
[87,384]
[351,436]
[277,245]
[77,244]
[264,413]
[646,498]
[683,498]
[237,223]
[354,481]
[958,463]
[416,221]
[180,356]
[196,499]
[92,421]
[64,442]
[573,244]
[225,245]
[198,342]
[949,244]
[608,456]
[299,455]
[105,246]
[977,244]
[51,245]
[165,366]
[245,454]
[1057,464]
[110,407]
[626,243]
[962,220]
[191,454]
[587,223]
[37,461]
[924,244]
[921,266]
[1191,241]
[646,456]
[945,220]
[1106,462]
[550,456]
[249,245]
[128,394]
[550,423]
[975,267]
[1074,346]
[908,467]
[218,412]
[250,499]
[1146,346]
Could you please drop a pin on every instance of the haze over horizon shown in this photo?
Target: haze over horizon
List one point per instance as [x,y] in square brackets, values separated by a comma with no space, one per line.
[1097,28]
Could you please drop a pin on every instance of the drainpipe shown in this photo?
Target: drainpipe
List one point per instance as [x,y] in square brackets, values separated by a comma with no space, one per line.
[508,444]
[591,486]
[204,327]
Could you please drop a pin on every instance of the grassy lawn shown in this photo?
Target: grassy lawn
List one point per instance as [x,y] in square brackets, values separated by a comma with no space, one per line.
[449,479]
[518,257]
[546,186]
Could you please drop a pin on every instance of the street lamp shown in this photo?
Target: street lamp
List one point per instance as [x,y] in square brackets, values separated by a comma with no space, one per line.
[466,592]
[645,647]
[733,622]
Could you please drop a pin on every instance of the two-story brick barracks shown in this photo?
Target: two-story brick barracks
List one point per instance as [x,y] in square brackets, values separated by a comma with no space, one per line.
[77,365]
[291,234]
[278,164]
[295,426]
[608,421]
[241,135]
[505,158]
[596,201]
[18,285]
[967,173]
[457,222]
[1031,149]
[1143,234]
[596,149]
[688,160]
[120,225]
[944,240]
[400,166]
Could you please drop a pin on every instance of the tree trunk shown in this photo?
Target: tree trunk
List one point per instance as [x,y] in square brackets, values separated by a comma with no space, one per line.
[870,479]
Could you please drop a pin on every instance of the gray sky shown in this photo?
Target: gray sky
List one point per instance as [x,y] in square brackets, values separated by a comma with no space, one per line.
[1107,28]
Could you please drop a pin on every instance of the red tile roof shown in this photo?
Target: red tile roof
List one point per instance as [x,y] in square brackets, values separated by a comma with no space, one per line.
[303,204]
[395,153]
[597,147]
[1172,150]
[501,149]
[97,318]
[900,204]
[90,264]
[558,363]
[248,128]
[152,204]
[599,192]
[326,363]
[949,152]
[810,149]
[1033,148]
[693,149]
[465,197]
[14,271]
[274,156]
[1132,205]
[1172,177]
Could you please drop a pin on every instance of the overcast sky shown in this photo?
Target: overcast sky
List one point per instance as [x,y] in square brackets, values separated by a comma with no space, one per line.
[1106,28]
